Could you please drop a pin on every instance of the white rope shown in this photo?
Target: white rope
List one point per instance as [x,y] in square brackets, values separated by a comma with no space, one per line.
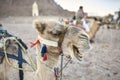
[25,52]
[4,68]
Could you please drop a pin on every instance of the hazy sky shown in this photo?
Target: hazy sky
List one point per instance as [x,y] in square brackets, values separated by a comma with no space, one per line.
[95,7]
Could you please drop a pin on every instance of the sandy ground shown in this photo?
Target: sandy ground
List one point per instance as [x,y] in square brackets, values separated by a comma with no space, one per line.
[102,62]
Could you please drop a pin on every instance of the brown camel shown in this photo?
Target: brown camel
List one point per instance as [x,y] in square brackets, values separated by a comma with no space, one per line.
[75,41]
[94,26]
[93,29]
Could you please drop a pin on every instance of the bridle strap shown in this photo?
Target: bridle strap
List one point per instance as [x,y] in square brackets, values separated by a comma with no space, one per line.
[61,52]
[48,42]
[62,37]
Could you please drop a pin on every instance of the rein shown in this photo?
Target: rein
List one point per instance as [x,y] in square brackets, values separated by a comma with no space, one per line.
[60,47]
[4,37]
[21,47]
[12,57]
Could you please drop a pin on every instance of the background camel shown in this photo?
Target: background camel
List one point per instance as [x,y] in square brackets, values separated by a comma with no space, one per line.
[93,23]
[94,27]
[75,39]
[9,65]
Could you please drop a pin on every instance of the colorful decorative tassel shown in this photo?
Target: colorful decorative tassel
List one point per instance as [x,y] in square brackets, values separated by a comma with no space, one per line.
[56,71]
[43,50]
[33,44]
[45,57]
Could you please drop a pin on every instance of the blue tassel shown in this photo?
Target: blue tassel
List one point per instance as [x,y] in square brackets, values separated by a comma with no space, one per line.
[56,71]
[44,50]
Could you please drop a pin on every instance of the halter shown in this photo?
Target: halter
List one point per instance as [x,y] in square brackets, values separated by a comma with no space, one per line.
[48,42]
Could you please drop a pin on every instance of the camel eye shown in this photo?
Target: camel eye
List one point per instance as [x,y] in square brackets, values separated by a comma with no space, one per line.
[56,33]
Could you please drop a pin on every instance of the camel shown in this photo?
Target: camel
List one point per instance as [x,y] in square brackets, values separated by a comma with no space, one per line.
[9,65]
[73,44]
[75,41]
[93,29]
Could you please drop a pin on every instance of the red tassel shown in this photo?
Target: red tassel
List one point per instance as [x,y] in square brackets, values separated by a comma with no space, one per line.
[45,57]
[33,44]
[60,50]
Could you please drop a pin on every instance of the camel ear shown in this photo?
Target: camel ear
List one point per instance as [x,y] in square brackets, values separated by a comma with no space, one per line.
[39,26]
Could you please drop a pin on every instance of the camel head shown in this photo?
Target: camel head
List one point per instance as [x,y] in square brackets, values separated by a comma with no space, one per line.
[75,40]
[10,45]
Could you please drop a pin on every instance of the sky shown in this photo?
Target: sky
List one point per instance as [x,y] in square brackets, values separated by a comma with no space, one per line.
[92,7]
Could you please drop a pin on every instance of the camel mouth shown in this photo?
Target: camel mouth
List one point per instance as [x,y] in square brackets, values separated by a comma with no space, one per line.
[79,53]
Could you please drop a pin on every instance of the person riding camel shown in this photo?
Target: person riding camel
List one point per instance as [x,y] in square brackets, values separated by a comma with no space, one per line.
[81,19]
[79,15]
[84,24]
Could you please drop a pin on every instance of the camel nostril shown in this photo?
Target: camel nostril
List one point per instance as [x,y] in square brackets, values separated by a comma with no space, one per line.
[80,55]
[88,47]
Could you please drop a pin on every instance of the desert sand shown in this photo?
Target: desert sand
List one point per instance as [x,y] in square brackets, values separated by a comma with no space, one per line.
[102,62]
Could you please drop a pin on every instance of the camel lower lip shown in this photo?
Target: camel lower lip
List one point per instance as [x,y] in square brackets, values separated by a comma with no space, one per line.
[77,54]
[79,57]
